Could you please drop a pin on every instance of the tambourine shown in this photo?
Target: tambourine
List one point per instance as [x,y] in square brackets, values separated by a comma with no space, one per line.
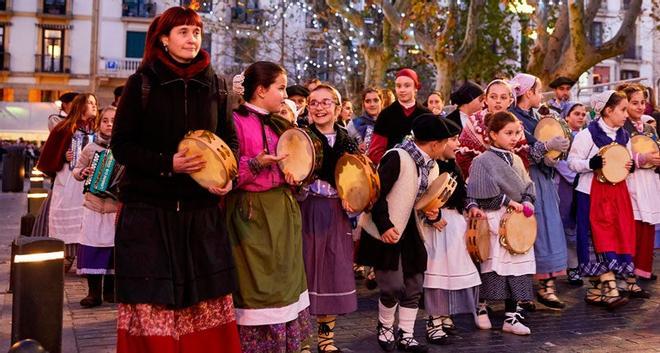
[357,181]
[477,239]
[644,144]
[517,232]
[221,166]
[615,158]
[305,153]
[437,193]
[550,127]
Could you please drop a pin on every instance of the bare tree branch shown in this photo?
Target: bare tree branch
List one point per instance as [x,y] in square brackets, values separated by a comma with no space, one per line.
[578,37]
[470,39]
[347,12]
[619,42]
[591,11]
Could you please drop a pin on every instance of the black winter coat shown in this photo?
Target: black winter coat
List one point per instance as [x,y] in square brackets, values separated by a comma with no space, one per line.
[343,144]
[145,140]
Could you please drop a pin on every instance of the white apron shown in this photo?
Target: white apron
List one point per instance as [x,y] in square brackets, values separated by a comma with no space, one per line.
[449,264]
[98,229]
[500,260]
[66,207]
[644,189]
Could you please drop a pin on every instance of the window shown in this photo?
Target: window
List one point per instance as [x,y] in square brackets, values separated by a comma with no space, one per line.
[135,44]
[319,55]
[596,33]
[633,51]
[601,74]
[138,8]
[205,6]
[49,95]
[53,40]
[628,74]
[3,5]
[55,7]
[246,12]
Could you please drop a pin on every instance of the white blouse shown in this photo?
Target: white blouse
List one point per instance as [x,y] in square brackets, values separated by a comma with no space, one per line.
[582,149]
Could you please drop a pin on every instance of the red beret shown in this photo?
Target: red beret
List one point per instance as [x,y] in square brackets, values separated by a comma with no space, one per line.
[410,73]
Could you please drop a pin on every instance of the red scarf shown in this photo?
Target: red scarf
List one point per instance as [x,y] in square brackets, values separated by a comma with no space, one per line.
[185,71]
[53,152]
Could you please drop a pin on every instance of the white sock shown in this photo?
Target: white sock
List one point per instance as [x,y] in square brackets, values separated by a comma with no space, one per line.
[407,318]
[386,315]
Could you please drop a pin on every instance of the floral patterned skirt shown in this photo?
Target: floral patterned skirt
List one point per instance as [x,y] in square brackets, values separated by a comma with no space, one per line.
[288,337]
[206,327]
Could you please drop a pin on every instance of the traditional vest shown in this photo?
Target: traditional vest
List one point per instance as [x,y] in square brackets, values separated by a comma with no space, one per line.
[401,198]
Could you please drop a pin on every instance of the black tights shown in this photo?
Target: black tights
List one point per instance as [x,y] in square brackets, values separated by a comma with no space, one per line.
[510,306]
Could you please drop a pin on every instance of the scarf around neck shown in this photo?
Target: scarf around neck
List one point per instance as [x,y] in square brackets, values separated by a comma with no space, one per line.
[424,168]
[600,136]
[187,70]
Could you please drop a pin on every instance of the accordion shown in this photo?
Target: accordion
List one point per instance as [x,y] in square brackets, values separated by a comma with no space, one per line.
[104,180]
[79,140]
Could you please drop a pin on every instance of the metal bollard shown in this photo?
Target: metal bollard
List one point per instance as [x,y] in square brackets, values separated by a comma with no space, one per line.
[37,178]
[38,286]
[27,346]
[36,197]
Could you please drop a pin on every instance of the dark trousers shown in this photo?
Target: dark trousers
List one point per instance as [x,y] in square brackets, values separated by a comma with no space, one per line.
[398,287]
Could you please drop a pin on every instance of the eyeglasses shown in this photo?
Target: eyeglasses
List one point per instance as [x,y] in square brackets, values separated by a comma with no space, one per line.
[326,103]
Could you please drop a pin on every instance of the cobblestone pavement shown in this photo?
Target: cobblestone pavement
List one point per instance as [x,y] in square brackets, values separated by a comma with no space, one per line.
[578,328]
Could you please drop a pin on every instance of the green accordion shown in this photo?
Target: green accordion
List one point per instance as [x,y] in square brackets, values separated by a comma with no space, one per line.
[104,181]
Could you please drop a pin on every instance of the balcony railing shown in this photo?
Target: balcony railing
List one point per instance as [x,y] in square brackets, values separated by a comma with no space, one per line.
[118,67]
[54,8]
[633,53]
[246,16]
[5,59]
[138,9]
[50,64]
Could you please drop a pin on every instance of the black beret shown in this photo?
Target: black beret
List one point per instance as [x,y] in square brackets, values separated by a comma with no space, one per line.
[561,80]
[430,127]
[68,97]
[466,93]
[297,90]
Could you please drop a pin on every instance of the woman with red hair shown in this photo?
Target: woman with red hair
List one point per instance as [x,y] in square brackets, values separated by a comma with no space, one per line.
[173,262]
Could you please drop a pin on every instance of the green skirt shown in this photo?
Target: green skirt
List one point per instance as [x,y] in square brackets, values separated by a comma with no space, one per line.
[266,240]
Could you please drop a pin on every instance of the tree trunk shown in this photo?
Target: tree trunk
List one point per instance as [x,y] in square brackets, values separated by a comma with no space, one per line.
[375,65]
[443,77]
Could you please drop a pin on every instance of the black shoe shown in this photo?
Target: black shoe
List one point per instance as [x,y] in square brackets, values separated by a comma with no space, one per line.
[573,277]
[90,302]
[410,344]
[528,306]
[553,304]
[448,325]
[388,345]
[435,334]
[640,294]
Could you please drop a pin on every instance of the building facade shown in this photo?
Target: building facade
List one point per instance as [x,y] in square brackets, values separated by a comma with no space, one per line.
[639,61]
[53,46]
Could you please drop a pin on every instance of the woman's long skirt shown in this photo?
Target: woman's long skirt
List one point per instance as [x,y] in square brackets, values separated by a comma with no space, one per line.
[550,245]
[272,299]
[328,255]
